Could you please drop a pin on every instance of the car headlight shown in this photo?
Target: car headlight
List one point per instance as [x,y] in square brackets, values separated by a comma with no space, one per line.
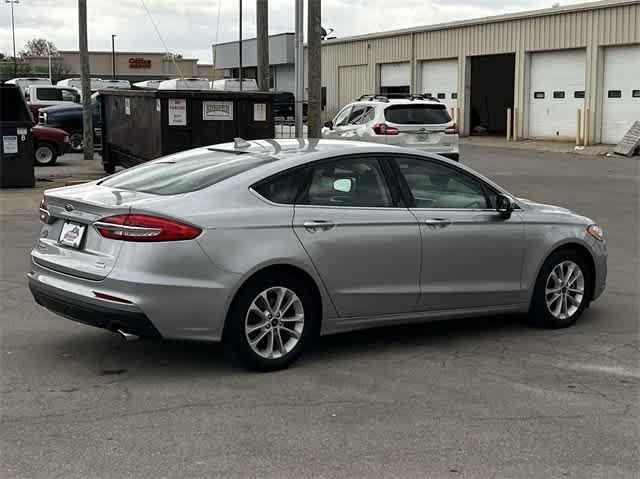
[596,231]
[66,139]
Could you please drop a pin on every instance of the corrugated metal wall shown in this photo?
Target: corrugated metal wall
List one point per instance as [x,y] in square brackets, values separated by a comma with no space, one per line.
[590,29]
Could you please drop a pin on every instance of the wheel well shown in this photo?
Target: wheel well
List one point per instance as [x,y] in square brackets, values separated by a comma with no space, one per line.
[299,273]
[584,253]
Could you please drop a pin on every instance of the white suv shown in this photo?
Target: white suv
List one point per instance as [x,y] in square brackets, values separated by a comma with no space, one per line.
[413,121]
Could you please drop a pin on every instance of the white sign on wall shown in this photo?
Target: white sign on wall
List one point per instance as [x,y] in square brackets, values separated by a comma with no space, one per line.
[259,112]
[217,110]
[10,144]
[127,106]
[177,112]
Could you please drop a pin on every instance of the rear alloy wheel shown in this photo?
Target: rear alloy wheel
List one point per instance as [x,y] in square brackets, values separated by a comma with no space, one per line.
[271,322]
[76,141]
[562,290]
[45,154]
[274,323]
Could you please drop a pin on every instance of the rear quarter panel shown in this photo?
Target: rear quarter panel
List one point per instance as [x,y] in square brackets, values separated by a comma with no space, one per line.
[246,234]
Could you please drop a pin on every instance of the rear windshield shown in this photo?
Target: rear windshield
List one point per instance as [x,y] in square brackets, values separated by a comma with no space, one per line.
[185,172]
[417,114]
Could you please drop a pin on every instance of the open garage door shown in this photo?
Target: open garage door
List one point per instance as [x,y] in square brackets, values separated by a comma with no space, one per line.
[620,92]
[492,84]
[556,91]
[395,78]
[352,82]
[440,80]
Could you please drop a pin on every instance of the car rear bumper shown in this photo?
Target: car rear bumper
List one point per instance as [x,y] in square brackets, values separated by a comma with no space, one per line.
[82,311]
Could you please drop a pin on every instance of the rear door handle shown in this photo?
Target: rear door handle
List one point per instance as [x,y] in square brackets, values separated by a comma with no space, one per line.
[315,225]
[442,222]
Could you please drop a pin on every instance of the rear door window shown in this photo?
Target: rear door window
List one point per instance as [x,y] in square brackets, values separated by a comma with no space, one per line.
[185,172]
[417,114]
[49,94]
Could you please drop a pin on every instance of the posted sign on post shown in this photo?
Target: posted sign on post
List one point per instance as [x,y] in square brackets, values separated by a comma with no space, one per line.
[177,112]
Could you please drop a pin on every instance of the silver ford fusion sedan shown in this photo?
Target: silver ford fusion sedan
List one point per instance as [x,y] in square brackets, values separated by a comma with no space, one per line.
[265,244]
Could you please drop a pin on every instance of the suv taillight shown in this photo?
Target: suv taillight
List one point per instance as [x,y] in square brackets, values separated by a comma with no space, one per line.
[384,129]
[144,228]
[451,130]
[45,217]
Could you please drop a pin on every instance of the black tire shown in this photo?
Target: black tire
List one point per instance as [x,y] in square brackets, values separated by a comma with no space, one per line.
[541,314]
[236,339]
[45,154]
[109,168]
[76,141]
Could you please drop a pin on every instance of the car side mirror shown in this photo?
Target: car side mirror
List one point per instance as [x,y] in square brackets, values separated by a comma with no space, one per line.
[504,205]
[329,124]
[344,185]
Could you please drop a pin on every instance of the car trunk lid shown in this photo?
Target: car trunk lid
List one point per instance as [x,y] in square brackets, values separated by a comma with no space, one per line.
[68,242]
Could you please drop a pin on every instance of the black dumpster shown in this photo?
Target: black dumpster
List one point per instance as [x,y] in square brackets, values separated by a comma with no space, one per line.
[16,142]
[140,125]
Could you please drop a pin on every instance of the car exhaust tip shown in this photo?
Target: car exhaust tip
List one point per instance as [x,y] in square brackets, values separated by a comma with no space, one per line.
[127,336]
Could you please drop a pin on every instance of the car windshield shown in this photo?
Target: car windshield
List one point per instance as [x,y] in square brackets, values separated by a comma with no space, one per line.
[185,172]
[417,114]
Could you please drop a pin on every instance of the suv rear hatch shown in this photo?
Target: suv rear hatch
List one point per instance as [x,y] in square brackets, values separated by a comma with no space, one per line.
[420,125]
[68,242]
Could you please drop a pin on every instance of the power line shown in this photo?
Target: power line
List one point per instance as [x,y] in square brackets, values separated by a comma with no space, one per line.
[166,49]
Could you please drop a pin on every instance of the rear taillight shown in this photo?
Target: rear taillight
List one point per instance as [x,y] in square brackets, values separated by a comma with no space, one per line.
[451,130]
[384,129]
[145,228]
[45,217]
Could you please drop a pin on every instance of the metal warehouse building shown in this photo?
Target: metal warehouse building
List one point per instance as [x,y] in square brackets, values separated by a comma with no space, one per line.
[544,65]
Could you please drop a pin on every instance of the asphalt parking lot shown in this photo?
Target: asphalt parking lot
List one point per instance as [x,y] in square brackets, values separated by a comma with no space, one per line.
[478,398]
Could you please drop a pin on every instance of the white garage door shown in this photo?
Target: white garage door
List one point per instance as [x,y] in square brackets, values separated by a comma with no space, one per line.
[395,78]
[440,80]
[621,92]
[556,92]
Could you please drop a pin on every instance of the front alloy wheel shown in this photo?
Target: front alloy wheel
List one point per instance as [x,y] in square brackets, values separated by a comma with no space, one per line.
[564,291]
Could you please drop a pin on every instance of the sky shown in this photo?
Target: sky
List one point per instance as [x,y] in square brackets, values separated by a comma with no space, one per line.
[189,27]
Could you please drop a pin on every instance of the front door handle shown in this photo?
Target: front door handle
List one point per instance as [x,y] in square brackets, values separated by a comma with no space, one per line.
[315,225]
[441,222]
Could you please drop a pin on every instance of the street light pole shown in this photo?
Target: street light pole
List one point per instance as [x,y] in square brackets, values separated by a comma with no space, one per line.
[113,56]
[13,32]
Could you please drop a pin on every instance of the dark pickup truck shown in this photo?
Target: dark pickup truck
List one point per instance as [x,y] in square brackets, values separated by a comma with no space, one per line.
[69,119]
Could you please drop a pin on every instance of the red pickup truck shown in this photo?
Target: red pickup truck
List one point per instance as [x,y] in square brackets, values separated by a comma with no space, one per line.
[49,143]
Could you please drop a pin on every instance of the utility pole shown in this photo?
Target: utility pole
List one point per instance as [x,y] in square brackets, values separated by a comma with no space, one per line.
[113,56]
[262,41]
[49,60]
[85,78]
[240,48]
[299,67]
[314,45]
[13,32]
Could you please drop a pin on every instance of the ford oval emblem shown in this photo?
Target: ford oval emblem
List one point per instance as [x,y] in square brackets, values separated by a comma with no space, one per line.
[69,207]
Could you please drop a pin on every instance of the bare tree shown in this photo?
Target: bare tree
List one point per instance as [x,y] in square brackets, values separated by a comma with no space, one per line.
[39,47]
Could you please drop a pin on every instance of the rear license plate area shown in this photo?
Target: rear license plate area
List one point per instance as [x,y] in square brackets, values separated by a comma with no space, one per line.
[72,234]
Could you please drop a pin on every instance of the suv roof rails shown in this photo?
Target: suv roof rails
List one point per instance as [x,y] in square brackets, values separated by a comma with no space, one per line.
[411,96]
[373,97]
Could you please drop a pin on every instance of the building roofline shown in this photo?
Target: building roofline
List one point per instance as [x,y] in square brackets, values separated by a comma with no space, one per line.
[252,39]
[106,52]
[485,20]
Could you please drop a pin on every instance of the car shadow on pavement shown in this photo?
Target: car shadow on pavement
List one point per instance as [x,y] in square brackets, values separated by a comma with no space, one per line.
[109,354]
